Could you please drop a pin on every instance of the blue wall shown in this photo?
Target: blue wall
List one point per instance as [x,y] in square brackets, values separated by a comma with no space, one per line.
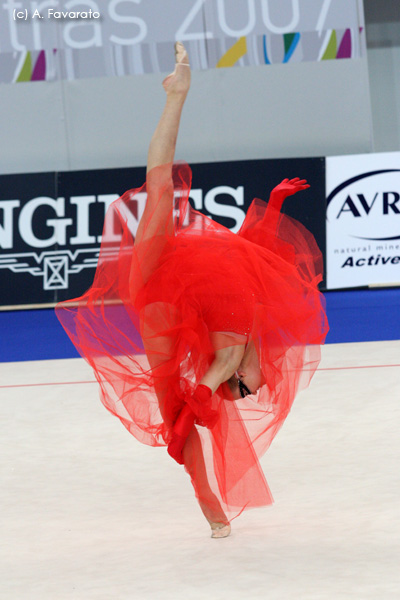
[354,316]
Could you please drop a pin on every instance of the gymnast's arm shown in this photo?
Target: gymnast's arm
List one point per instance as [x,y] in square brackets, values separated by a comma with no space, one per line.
[286,188]
[224,365]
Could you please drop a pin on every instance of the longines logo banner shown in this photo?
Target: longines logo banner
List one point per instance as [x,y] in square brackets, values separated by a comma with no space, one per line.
[363,220]
[51,223]
[53,40]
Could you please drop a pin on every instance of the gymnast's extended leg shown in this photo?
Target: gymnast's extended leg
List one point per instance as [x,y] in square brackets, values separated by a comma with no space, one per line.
[157,217]
[161,153]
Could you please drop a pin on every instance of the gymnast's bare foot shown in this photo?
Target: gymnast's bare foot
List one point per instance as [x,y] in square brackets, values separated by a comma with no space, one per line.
[178,82]
[220,530]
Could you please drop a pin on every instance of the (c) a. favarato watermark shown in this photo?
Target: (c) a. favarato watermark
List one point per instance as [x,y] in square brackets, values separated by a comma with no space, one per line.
[51,13]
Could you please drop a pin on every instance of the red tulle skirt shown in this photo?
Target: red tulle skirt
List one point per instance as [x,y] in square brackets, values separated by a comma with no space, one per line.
[148,327]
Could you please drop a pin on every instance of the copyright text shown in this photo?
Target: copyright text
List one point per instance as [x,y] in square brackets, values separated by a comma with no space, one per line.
[25,14]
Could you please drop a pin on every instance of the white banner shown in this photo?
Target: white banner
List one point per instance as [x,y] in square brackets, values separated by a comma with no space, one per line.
[363,220]
[73,39]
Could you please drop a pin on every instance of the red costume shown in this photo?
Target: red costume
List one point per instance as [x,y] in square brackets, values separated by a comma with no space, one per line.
[147,327]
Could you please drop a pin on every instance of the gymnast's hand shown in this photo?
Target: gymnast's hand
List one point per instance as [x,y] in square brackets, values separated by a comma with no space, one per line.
[180,431]
[197,408]
[288,187]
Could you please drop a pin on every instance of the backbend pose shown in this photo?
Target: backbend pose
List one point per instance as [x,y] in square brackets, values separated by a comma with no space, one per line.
[201,338]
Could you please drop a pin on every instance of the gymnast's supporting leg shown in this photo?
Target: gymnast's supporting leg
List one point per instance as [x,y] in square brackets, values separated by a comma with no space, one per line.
[209,503]
[157,350]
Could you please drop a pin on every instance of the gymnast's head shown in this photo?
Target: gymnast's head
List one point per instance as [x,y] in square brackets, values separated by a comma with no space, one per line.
[242,368]
[248,378]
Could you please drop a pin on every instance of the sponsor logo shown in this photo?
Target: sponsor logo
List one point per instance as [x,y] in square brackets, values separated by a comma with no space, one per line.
[363,220]
[43,224]
[367,206]
[61,236]
[54,267]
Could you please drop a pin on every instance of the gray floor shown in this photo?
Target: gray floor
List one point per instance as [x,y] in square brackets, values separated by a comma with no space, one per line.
[89,513]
